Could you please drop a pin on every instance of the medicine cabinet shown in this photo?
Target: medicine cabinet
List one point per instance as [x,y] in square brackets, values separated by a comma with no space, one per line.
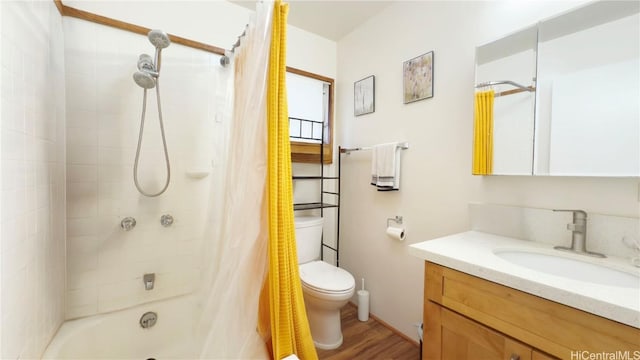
[567,94]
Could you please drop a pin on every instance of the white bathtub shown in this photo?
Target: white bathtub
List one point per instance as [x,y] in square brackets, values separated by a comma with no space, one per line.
[118,335]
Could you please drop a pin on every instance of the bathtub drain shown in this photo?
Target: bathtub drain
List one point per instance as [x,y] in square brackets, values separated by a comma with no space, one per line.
[148,319]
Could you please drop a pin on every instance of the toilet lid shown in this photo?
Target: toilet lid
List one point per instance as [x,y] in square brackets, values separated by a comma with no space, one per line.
[326,277]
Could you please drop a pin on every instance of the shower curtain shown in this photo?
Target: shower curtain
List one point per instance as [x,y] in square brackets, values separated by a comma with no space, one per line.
[245,314]
[483,133]
[234,255]
[286,315]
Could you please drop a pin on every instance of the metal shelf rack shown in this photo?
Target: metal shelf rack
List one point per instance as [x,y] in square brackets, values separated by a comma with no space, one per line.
[321,205]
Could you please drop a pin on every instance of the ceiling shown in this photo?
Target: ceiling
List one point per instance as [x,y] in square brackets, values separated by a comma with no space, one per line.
[329,19]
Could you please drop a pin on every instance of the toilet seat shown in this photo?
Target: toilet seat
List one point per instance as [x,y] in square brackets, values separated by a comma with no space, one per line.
[325,278]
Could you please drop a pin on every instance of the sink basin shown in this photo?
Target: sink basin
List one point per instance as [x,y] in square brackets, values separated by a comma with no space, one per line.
[570,268]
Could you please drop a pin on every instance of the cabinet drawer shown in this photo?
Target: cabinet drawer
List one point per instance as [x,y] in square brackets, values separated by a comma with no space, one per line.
[466,339]
[546,325]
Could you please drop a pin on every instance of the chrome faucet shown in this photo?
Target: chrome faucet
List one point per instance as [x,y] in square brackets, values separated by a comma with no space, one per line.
[578,234]
[149,281]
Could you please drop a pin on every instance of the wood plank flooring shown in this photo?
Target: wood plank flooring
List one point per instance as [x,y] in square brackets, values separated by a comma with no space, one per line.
[369,341]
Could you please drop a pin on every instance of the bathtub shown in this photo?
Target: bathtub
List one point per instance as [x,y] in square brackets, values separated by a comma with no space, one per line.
[118,335]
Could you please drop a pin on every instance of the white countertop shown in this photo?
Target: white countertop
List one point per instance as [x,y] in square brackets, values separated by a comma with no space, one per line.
[472,253]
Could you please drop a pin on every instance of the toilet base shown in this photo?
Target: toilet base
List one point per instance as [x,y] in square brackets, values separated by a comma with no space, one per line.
[324,320]
[328,346]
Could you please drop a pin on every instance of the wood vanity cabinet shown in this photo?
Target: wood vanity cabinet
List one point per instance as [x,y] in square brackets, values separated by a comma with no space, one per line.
[466,317]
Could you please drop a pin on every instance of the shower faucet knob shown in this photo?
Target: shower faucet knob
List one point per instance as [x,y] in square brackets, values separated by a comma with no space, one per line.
[166,220]
[128,223]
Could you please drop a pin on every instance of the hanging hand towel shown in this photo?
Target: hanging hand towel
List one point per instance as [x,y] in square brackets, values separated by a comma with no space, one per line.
[385,167]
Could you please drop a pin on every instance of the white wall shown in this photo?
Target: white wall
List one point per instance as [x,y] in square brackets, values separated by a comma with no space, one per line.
[33,192]
[436,182]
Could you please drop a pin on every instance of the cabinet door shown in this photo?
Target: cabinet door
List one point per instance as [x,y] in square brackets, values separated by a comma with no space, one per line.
[536,355]
[466,339]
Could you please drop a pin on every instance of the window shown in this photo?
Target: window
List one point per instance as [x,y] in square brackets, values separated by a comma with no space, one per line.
[310,100]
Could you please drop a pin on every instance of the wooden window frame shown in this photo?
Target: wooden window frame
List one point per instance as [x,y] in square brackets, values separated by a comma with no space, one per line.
[302,152]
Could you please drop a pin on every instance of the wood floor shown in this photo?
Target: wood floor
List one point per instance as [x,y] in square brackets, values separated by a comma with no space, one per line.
[369,340]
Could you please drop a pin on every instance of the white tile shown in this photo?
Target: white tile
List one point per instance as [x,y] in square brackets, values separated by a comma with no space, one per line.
[81,280]
[82,199]
[82,262]
[117,138]
[114,173]
[116,155]
[82,227]
[79,173]
[82,244]
[119,295]
[78,137]
[82,297]
[82,155]
[74,312]
[84,119]
[13,145]
[81,92]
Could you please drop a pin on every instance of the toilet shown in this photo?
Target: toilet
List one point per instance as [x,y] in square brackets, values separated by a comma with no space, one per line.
[326,288]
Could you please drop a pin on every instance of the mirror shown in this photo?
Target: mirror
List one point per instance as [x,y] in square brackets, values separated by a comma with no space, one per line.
[585,120]
[506,66]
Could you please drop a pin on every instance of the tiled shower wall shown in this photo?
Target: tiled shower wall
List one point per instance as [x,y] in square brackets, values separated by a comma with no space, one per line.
[33,187]
[105,264]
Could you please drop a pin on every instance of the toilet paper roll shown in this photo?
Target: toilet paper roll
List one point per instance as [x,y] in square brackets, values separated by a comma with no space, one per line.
[363,305]
[396,233]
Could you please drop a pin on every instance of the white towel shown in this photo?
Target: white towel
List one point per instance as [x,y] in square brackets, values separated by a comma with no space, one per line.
[385,167]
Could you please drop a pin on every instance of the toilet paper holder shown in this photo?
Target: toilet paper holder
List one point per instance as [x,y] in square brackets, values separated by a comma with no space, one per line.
[397,219]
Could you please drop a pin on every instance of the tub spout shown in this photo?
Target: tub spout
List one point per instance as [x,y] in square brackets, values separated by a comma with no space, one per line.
[149,280]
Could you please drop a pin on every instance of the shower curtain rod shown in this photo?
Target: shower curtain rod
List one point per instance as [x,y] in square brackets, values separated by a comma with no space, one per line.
[402,146]
[520,88]
[65,10]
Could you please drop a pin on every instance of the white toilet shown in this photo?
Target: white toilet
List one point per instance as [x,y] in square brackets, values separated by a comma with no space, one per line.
[326,288]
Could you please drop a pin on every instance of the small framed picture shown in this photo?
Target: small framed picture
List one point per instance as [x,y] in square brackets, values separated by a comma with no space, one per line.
[417,78]
[364,96]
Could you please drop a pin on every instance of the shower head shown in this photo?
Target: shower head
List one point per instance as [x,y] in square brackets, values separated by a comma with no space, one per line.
[145,63]
[159,39]
[144,79]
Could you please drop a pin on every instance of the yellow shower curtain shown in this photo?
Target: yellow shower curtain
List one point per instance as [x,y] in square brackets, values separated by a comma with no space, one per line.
[282,294]
[483,133]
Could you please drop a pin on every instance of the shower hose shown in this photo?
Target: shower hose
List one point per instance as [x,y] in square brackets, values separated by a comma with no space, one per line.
[164,144]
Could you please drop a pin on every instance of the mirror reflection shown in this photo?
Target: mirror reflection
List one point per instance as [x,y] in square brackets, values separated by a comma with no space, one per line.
[505,74]
[588,92]
[585,118]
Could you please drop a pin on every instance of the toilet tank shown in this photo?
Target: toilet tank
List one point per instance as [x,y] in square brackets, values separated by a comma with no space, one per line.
[308,237]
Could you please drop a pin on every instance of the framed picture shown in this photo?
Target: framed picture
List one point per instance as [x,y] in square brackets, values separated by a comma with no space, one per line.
[417,78]
[364,96]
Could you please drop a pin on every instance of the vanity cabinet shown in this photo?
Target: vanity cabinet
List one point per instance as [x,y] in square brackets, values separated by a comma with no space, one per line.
[466,317]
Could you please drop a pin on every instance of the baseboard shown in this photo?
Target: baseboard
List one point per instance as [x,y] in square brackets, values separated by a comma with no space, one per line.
[414,342]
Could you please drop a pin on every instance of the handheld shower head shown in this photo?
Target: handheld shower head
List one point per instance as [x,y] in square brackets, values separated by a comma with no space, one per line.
[145,62]
[144,79]
[145,65]
[159,39]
